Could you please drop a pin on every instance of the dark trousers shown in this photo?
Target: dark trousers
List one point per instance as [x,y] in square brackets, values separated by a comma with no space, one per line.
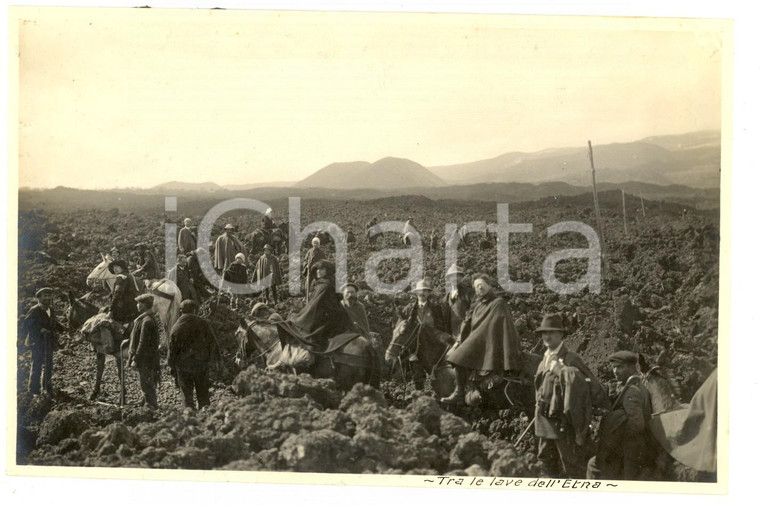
[197,380]
[563,457]
[42,357]
[272,290]
[148,380]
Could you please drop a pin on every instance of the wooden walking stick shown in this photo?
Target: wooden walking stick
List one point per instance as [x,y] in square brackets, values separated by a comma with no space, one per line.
[525,431]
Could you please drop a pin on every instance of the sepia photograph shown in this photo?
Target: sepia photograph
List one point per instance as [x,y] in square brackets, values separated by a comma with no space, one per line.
[437,250]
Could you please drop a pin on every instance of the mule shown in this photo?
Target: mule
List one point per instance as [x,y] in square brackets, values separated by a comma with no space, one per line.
[259,343]
[425,350]
[81,314]
[166,295]
[257,239]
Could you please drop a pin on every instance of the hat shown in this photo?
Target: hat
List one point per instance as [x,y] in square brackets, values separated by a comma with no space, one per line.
[256,307]
[267,247]
[349,285]
[229,226]
[187,220]
[121,263]
[323,264]
[43,291]
[269,211]
[454,270]
[422,285]
[240,256]
[315,241]
[623,358]
[551,322]
[145,299]
[188,306]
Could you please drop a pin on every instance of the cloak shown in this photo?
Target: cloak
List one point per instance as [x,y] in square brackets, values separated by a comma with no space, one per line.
[268,264]
[320,320]
[192,345]
[490,341]
[225,249]
[187,241]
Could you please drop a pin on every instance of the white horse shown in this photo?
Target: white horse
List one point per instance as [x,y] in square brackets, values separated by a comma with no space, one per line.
[166,294]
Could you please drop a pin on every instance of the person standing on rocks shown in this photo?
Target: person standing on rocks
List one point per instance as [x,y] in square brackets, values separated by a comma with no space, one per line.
[225,249]
[181,276]
[459,299]
[143,349]
[187,240]
[313,255]
[488,341]
[147,264]
[123,308]
[268,265]
[193,349]
[40,328]
[622,449]
[237,273]
[355,309]
[564,446]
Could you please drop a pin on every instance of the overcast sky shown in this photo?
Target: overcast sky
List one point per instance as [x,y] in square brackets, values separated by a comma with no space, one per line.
[119,98]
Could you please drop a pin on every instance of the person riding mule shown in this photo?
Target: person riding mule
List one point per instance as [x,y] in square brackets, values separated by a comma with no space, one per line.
[123,307]
[488,341]
[147,266]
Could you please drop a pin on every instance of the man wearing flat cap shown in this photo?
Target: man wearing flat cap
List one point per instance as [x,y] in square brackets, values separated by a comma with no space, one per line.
[566,390]
[622,448]
[187,240]
[123,307]
[225,249]
[40,328]
[266,266]
[143,349]
[147,266]
[355,309]
[192,350]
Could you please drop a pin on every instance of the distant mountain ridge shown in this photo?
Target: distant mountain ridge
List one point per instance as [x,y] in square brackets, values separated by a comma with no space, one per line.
[387,173]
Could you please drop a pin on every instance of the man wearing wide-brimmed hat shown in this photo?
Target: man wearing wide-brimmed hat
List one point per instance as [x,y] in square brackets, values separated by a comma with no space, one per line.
[39,330]
[622,450]
[459,299]
[268,265]
[123,307]
[225,249]
[562,422]
[143,349]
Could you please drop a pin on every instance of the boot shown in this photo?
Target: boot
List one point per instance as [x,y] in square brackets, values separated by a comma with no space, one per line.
[457,396]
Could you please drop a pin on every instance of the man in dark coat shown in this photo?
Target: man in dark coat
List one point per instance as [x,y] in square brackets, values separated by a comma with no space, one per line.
[313,255]
[459,299]
[560,447]
[237,273]
[488,340]
[267,223]
[225,248]
[187,240]
[40,328]
[622,450]
[200,283]
[192,349]
[148,266]
[355,309]
[322,318]
[143,349]
[427,315]
[371,239]
[267,265]
[123,307]
[181,276]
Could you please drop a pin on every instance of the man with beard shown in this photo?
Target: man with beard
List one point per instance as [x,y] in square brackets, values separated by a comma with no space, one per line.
[147,264]
[143,350]
[622,447]
[355,309]
[192,350]
[488,340]
[268,266]
[40,329]
[187,241]
[323,316]
[225,249]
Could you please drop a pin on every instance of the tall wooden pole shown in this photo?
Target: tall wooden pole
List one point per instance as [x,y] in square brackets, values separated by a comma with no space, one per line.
[598,212]
[625,222]
[643,209]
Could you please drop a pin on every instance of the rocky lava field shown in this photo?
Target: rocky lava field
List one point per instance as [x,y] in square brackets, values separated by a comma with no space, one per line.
[659,298]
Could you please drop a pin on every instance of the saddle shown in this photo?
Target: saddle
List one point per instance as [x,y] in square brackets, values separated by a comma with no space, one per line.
[298,355]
